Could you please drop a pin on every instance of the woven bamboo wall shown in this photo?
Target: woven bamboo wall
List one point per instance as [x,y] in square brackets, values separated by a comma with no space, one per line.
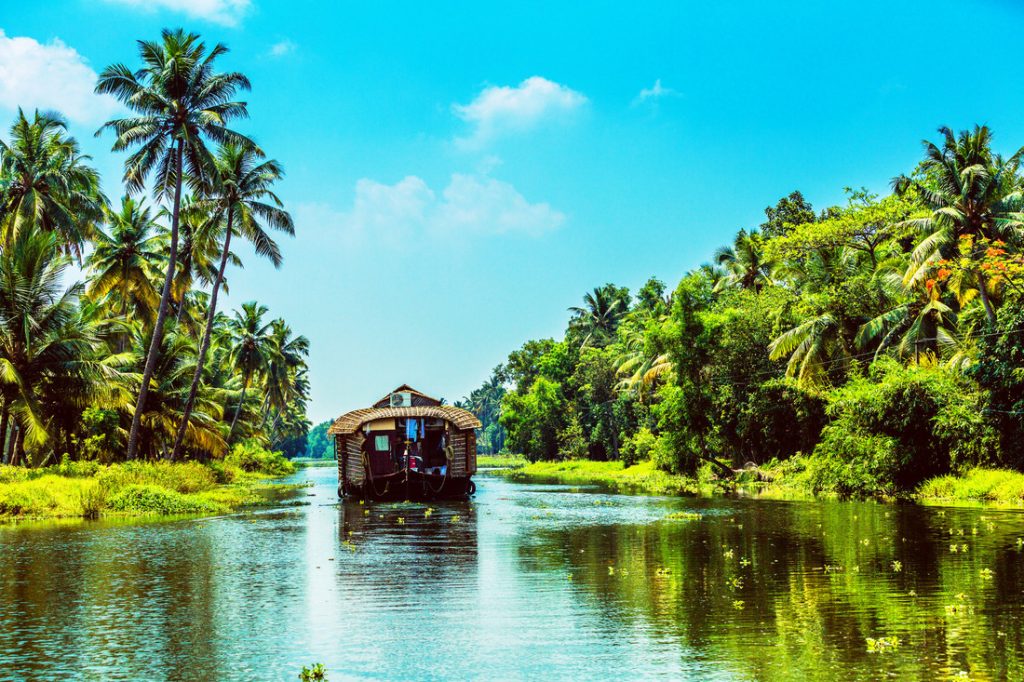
[458,444]
[354,459]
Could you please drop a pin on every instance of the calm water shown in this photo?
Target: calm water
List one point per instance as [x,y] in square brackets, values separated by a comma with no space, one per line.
[524,582]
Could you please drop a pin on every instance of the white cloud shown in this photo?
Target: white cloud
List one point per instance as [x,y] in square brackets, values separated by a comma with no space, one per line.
[282,48]
[654,93]
[409,209]
[44,76]
[499,110]
[226,12]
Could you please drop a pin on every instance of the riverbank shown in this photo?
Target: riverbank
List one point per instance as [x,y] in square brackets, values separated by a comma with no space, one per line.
[88,490]
[990,487]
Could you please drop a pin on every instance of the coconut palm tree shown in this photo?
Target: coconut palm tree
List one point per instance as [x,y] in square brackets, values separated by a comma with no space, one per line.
[599,317]
[124,259]
[250,348]
[241,194]
[43,337]
[970,192]
[286,359]
[46,184]
[744,263]
[179,101]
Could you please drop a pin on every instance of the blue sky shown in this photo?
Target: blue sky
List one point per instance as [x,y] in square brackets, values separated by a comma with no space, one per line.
[461,173]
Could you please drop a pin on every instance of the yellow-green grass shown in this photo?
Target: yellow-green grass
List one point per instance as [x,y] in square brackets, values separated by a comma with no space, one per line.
[991,487]
[89,490]
[500,461]
[643,477]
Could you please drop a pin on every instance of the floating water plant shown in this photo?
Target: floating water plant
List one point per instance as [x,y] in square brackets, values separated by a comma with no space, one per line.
[882,644]
[684,516]
[897,566]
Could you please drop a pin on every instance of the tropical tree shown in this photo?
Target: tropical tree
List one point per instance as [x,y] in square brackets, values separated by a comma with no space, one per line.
[599,316]
[250,348]
[240,194]
[745,264]
[124,259]
[179,100]
[46,184]
[285,363]
[969,191]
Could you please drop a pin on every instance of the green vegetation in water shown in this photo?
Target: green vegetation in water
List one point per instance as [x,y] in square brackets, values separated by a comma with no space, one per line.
[314,673]
[91,490]
[1001,487]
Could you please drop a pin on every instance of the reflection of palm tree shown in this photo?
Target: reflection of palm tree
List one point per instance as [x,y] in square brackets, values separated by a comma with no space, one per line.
[45,184]
[179,100]
[744,263]
[970,192]
[599,316]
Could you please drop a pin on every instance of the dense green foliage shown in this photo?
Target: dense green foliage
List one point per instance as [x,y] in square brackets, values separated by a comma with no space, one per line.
[318,444]
[136,361]
[861,349]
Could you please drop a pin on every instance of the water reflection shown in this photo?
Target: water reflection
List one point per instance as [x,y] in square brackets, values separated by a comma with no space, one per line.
[523,582]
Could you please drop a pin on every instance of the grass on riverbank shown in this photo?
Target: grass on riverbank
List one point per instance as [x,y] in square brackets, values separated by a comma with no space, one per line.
[643,477]
[91,490]
[999,487]
[503,461]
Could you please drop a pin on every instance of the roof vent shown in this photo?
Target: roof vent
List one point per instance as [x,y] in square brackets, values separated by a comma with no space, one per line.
[403,399]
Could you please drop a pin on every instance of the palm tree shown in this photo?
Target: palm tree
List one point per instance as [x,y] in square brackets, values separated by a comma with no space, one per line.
[179,100]
[43,337]
[198,251]
[922,323]
[970,192]
[813,346]
[242,195]
[250,348]
[45,183]
[599,317]
[285,362]
[744,262]
[124,260]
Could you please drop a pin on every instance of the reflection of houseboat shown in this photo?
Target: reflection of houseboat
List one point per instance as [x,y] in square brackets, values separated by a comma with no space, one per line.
[408,445]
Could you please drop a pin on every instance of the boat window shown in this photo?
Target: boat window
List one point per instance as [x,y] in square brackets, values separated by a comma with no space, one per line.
[381,443]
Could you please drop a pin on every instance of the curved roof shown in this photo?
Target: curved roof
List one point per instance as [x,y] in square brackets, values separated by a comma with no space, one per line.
[350,422]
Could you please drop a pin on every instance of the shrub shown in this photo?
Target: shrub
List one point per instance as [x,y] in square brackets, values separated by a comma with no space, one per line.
[638,447]
[899,426]
[184,477]
[152,499]
[252,458]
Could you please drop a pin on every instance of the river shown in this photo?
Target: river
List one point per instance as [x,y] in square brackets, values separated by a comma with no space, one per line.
[521,582]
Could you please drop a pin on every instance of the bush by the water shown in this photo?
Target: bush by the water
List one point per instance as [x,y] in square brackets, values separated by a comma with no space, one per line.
[90,489]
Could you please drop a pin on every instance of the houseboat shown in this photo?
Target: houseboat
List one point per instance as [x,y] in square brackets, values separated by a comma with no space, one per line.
[407,446]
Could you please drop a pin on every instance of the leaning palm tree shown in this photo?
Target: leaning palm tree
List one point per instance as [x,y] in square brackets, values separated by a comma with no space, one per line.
[241,194]
[250,348]
[745,264]
[599,317]
[970,192]
[813,348]
[198,251]
[124,260]
[179,100]
[46,184]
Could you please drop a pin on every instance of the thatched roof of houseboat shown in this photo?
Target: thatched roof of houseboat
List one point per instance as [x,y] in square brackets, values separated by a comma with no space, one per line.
[350,422]
[419,399]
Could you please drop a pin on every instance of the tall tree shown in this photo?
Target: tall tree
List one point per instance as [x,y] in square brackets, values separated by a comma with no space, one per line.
[179,101]
[599,316]
[241,194]
[745,263]
[46,184]
[250,348]
[969,191]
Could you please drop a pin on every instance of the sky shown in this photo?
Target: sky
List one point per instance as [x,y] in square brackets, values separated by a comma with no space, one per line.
[462,173]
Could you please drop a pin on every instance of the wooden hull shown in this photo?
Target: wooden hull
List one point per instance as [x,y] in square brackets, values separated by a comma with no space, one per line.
[411,485]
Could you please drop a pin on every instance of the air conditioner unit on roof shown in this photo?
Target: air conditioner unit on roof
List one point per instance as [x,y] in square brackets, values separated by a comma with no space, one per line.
[403,399]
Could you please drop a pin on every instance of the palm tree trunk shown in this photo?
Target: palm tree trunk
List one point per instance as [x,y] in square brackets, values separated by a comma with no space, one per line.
[205,344]
[165,296]
[990,312]
[10,444]
[4,419]
[238,410]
